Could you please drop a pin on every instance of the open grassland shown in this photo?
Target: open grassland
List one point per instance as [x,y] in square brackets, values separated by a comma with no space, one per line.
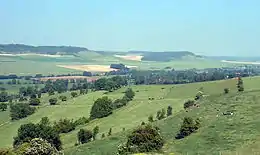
[219,134]
[140,108]
[38,64]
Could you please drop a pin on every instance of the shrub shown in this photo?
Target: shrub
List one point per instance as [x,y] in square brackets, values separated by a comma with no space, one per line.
[63,98]
[103,135]
[240,84]
[20,110]
[43,130]
[95,132]
[118,103]
[5,151]
[64,126]
[84,136]
[53,101]
[150,118]
[145,138]
[161,114]
[188,126]
[129,93]
[109,132]
[81,121]
[3,106]
[34,101]
[39,146]
[102,107]
[169,110]
[226,91]
[188,104]
[74,94]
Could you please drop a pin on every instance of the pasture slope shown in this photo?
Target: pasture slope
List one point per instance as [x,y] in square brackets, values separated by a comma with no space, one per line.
[228,134]
[219,134]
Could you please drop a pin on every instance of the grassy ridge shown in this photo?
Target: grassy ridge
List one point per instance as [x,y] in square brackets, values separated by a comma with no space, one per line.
[227,134]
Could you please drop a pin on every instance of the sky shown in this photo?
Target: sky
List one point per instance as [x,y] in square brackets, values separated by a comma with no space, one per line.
[208,27]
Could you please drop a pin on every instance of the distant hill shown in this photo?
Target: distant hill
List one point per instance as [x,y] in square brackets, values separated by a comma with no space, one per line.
[21,48]
[163,56]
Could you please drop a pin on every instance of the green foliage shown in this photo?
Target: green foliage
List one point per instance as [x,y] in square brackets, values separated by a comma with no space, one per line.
[226,90]
[118,103]
[103,135]
[95,132]
[240,84]
[20,110]
[51,92]
[169,111]
[81,121]
[160,114]
[82,91]
[43,130]
[188,104]
[74,94]
[64,125]
[84,136]
[53,101]
[129,93]
[145,138]
[188,126]
[3,106]
[109,132]
[34,101]
[150,118]
[39,146]
[63,98]
[4,96]
[102,107]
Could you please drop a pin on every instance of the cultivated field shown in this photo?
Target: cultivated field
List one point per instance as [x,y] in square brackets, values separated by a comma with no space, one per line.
[130,57]
[31,64]
[211,137]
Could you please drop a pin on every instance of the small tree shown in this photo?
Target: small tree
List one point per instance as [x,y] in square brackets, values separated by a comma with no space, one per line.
[51,92]
[226,91]
[169,111]
[145,138]
[240,84]
[20,110]
[63,98]
[150,118]
[53,101]
[39,94]
[188,104]
[130,93]
[103,135]
[35,101]
[109,132]
[84,136]
[158,115]
[3,106]
[163,114]
[102,107]
[188,126]
[82,91]
[74,94]
[95,132]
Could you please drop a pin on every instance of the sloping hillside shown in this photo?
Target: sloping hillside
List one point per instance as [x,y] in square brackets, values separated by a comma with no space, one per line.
[219,134]
[162,56]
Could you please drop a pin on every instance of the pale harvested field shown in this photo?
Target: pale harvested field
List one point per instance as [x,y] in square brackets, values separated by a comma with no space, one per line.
[241,62]
[130,57]
[90,68]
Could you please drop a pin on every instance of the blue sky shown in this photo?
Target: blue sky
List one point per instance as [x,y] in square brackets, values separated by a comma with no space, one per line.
[209,27]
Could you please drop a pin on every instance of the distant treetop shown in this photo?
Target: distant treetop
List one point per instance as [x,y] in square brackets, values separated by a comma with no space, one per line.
[21,48]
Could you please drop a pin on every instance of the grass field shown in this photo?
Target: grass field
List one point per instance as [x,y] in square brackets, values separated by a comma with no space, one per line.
[36,64]
[140,108]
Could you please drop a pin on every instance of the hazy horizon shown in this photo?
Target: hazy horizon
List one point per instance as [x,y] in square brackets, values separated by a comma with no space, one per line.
[221,28]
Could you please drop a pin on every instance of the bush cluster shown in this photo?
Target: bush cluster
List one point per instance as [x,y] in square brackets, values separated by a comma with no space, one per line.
[188,126]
